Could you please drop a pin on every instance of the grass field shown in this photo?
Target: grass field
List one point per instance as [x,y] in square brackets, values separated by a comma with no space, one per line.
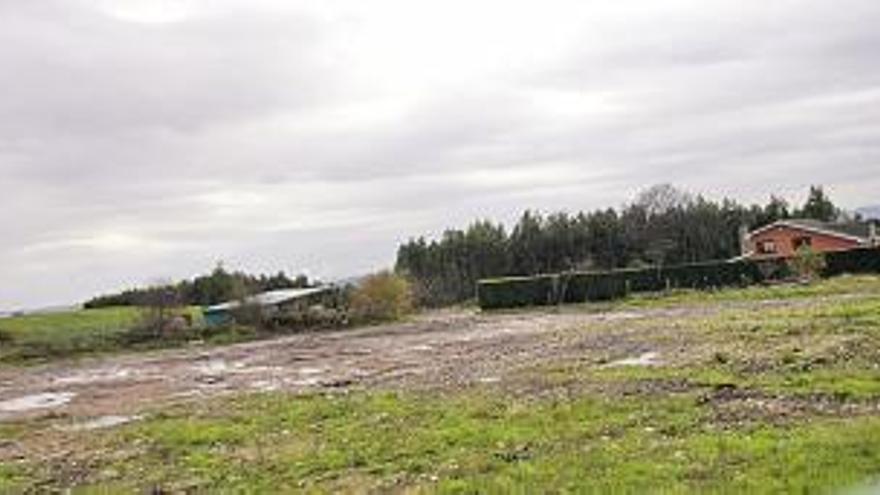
[481,442]
[41,337]
[758,396]
[830,287]
[44,336]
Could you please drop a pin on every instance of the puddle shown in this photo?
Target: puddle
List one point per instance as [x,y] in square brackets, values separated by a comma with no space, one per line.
[311,371]
[620,316]
[188,394]
[94,376]
[265,385]
[308,382]
[222,367]
[36,401]
[646,359]
[261,369]
[102,422]
[217,366]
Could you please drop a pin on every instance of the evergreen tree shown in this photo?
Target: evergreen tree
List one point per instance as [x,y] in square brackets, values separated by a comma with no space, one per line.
[818,206]
[664,225]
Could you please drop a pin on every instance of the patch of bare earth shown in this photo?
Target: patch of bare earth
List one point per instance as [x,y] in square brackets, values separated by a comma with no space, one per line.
[440,351]
[734,407]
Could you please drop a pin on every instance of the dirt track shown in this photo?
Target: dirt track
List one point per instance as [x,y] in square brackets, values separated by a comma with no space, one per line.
[436,350]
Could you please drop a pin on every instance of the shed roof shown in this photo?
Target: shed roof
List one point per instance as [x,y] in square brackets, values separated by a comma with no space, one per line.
[270,298]
[856,231]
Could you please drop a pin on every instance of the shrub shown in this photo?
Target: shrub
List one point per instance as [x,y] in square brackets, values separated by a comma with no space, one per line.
[248,314]
[382,296]
[807,264]
[306,319]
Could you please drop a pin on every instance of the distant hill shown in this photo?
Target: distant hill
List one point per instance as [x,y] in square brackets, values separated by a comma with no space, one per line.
[869,211]
[46,310]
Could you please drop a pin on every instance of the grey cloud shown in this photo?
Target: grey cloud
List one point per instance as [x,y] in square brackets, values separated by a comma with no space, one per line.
[80,72]
[255,133]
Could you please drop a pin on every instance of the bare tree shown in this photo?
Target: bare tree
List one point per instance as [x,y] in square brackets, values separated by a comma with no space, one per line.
[659,199]
[162,304]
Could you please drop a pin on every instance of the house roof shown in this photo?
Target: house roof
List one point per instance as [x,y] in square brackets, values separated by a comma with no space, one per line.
[270,298]
[850,231]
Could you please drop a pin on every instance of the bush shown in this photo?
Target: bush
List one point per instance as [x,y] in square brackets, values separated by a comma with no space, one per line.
[248,314]
[383,296]
[307,319]
[807,264]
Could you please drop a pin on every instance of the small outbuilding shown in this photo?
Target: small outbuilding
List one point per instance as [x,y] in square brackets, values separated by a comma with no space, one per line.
[270,302]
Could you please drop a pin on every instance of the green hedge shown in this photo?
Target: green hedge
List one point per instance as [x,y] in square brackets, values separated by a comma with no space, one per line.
[712,275]
[594,286]
[615,284]
[863,260]
[513,292]
[601,286]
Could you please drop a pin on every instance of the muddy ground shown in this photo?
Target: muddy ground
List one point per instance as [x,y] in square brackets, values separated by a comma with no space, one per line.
[727,356]
[435,350]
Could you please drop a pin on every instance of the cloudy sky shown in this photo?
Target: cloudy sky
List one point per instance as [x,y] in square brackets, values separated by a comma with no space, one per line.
[149,139]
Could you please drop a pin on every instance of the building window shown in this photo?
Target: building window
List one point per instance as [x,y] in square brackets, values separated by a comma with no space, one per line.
[799,242]
[767,247]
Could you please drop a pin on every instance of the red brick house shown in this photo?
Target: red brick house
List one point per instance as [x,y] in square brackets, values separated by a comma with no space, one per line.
[783,238]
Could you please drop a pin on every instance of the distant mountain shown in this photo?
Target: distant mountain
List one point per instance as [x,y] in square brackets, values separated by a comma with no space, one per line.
[869,211]
[41,311]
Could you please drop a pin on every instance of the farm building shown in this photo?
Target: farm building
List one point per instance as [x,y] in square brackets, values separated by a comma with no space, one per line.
[269,302]
[783,238]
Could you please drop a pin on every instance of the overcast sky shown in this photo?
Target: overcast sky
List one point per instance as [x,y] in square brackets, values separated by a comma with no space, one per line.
[149,139]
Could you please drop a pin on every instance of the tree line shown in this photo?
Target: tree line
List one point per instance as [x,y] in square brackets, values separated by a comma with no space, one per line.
[664,225]
[219,286]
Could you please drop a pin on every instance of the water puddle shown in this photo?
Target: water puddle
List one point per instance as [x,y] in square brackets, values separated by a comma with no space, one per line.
[94,376]
[102,422]
[36,401]
[307,382]
[620,316]
[645,359]
[217,367]
[266,385]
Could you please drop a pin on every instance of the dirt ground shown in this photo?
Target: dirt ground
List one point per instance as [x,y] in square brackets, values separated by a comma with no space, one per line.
[435,350]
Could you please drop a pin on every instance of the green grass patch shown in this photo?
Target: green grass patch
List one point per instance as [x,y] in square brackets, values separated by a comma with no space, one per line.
[840,382]
[481,443]
[610,429]
[44,336]
[40,337]
[845,284]
[12,480]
